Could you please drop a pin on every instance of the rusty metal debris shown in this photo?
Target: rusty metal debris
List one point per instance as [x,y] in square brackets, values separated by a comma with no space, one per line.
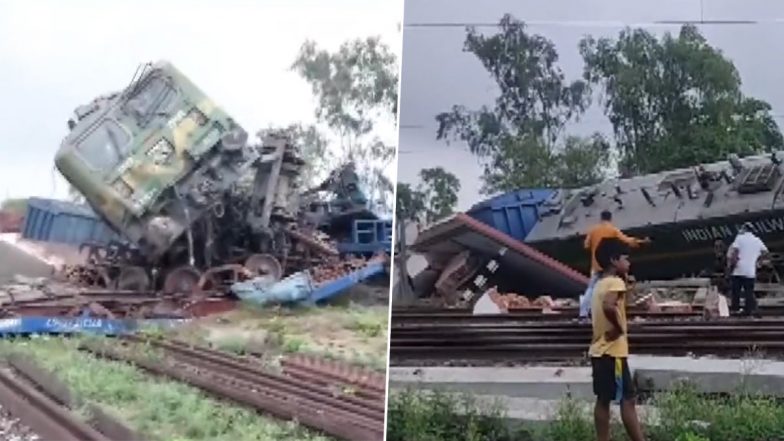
[87,275]
[367,383]
[62,300]
[186,292]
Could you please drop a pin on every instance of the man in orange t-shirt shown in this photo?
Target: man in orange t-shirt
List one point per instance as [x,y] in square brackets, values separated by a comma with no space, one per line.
[603,230]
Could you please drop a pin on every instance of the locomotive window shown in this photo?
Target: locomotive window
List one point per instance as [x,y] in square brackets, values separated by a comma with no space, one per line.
[105,146]
[155,97]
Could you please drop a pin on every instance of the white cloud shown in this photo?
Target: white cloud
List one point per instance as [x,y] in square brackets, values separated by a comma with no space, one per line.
[57,55]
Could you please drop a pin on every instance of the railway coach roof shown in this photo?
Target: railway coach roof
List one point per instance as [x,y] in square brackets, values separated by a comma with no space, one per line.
[519,261]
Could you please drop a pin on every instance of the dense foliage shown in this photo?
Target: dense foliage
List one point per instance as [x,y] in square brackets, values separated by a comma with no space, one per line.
[673,101]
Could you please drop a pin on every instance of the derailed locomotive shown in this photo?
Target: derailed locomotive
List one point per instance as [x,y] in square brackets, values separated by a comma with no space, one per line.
[164,166]
[692,215]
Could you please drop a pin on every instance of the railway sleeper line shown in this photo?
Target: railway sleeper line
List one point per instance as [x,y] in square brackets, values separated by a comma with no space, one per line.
[48,418]
[303,367]
[552,341]
[312,405]
[234,367]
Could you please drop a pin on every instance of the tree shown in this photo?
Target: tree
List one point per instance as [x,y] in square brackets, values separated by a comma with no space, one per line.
[439,190]
[410,202]
[525,162]
[526,124]
[675,101]
[433,198]
[15,205]
[356,88]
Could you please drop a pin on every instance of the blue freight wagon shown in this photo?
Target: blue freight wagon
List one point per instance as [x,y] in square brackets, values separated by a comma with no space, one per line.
[514,213]
[51,220]
[368,236]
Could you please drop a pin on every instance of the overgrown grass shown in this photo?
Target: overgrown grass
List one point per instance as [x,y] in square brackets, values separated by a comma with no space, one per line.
[160,409]
[368,323]
[683,415]
[439,416]
[740,417]
[352,333]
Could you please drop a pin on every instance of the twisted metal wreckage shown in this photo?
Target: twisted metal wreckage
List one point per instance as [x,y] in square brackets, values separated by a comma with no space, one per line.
[201,206]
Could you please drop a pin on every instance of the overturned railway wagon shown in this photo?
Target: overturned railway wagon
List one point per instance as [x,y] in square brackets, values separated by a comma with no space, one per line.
[691,214]
[171,171]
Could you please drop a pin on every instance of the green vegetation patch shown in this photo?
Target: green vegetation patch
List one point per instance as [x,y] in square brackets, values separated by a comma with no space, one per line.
[681,415]
[351,333]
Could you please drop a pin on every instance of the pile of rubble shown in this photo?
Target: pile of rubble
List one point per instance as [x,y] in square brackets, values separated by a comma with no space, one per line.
[685,296]
[506,302]
[335,269]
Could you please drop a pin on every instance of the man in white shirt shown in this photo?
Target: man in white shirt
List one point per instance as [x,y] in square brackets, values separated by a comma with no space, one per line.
[742,258]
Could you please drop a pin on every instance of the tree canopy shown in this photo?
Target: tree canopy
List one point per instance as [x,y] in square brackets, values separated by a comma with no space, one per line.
[434,198]
[410,203]
[14,205]
[673,102]
[356,87]
[522,133]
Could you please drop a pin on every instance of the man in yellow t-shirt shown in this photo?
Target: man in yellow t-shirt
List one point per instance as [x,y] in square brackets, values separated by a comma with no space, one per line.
[609,346]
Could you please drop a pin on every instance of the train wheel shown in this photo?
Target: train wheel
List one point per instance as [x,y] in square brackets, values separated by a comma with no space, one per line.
[222,277]
[182,280]
[133,278]
[263,265]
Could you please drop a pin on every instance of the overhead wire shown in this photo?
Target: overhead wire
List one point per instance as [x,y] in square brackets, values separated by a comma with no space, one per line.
[598,23]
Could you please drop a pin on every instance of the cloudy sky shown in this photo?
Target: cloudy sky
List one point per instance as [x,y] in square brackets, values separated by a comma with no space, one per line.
[57,55]
[437,74]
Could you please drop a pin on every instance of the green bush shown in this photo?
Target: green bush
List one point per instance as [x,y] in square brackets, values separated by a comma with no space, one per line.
[440,416]
[739,417]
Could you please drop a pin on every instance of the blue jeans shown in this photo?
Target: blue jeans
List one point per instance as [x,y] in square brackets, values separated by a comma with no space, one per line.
[585,301]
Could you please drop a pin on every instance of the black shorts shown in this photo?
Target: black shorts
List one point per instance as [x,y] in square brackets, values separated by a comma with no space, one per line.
[612,380]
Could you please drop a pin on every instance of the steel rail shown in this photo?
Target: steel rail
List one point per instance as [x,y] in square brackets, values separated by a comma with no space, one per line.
[242,383]
[43,415]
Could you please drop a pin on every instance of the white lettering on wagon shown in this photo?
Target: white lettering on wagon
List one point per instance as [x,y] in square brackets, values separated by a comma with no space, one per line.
[10,324]
[73,324]
[727,231]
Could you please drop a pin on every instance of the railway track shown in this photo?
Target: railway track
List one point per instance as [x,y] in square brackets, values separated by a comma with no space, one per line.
[428,315]
[46,417]
[343,402]
[516,339]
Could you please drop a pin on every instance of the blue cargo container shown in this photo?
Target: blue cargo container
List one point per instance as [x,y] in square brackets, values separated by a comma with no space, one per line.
[514,213]
[50,220]
[368,236]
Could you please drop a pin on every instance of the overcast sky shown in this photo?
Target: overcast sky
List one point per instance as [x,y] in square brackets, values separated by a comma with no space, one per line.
[57,55]
[437,74]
